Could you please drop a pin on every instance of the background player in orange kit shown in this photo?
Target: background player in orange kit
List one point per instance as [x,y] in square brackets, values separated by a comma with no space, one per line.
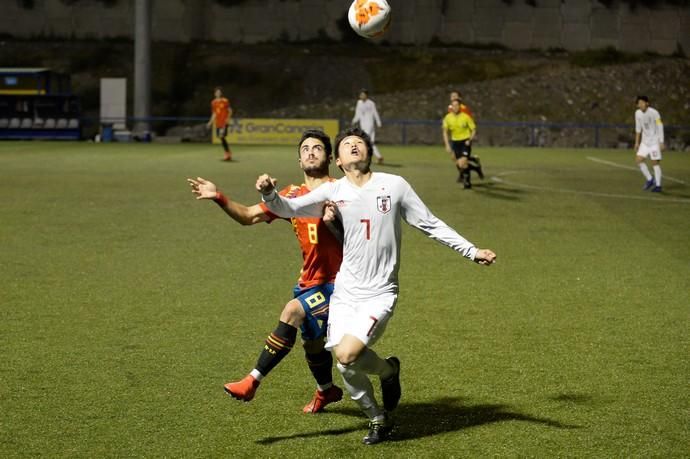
[457,95]
[322,255]
[221,112]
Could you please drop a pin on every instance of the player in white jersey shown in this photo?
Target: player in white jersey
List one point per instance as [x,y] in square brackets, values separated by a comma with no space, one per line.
[368,118]
[370,207]
[649,142]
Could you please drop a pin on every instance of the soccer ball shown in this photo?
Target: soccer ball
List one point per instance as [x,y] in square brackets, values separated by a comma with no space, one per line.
[369,18]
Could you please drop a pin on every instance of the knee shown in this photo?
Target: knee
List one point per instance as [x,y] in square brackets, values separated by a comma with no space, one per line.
[345,356]
[293,313]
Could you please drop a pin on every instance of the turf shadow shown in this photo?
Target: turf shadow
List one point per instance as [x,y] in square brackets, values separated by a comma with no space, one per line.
[673,192]
[391,165]
[498,191]
[417,420]
[318,433]
[574,398]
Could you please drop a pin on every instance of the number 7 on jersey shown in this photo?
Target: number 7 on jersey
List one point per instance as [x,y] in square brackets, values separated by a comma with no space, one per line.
[367,223]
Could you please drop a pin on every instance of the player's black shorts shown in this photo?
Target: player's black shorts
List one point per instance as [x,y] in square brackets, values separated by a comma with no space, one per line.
[222,131]
[460,148]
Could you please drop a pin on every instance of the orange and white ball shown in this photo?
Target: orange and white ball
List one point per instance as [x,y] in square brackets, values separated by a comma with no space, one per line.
[369,18]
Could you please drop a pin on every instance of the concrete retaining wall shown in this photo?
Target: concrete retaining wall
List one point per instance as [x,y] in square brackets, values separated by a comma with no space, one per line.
[569,24]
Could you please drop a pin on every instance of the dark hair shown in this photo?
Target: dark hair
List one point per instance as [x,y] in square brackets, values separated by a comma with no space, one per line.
[316,134]
[364,90]
[355,131]
[458,92]
[645,98]
[217,88]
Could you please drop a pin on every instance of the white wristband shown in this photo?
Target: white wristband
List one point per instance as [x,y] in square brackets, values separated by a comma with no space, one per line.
[270,196]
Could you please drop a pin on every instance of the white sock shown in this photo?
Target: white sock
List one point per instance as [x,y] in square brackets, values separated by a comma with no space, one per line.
[370,363]
[379,418]
[645,171]
[256,374]
[657,174]
[324,387]
[377,153]
[360,389]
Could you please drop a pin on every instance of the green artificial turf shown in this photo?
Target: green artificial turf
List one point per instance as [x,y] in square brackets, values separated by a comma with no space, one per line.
[125,305]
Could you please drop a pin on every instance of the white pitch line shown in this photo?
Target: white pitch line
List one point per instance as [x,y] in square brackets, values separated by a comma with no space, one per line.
[588,193]
[630,168]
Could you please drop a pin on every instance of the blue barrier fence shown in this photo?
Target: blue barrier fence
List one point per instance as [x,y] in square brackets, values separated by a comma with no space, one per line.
[534,131]
[406,131]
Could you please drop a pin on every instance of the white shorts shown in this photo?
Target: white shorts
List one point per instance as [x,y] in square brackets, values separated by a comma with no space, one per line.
[654,151]
[364,319]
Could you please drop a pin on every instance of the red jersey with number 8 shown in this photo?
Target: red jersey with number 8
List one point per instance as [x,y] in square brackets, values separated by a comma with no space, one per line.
[322,252]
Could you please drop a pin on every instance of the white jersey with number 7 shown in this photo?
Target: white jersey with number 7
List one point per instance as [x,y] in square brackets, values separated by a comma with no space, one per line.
[371,218]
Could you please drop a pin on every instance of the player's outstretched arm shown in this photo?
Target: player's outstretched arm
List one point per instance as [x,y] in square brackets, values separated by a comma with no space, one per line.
[417,214]
[205,189]
[485,257]
[308,205]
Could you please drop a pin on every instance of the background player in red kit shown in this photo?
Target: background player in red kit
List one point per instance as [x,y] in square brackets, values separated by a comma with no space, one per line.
[221,112]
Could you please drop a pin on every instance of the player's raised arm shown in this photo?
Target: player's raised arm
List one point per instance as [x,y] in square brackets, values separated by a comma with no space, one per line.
[309,205]
[205,189]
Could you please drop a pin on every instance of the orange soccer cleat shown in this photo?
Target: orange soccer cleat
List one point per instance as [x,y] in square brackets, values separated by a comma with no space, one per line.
[242,390]
[322,398]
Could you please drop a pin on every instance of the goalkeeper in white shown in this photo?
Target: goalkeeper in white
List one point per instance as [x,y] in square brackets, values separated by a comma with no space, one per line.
[370,207]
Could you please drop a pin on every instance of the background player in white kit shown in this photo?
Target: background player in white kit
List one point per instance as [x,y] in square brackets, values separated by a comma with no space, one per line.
[649,141]
[368,119]
[370,207]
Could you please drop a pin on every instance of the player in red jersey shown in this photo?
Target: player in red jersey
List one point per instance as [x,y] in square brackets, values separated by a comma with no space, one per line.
[221,112]
[456,95]
[322,253]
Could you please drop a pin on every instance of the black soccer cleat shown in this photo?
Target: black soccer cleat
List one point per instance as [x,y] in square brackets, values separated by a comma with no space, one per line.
[390,387]
[479,170]
[378,431]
